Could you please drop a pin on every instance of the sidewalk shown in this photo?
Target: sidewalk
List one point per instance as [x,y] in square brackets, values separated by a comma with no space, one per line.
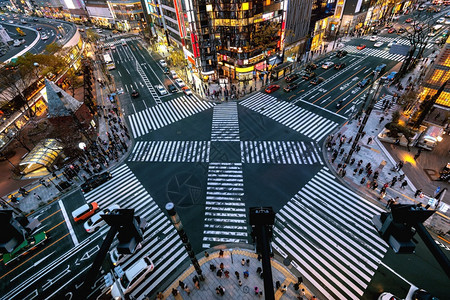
[231,285]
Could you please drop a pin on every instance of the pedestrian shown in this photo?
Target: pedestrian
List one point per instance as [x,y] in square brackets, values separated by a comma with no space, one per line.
[360,171]
[197,285]
[343,173]
[277,284]
[42,181]
[206,254]
[358,147]
[187,290]
[363,180]
[352,161]
[23,191]
[296,286]
[375,175]
[174,292]
[401,177]
[243,262]
[399,165]
[246,274]
[404,184]
[219,273]
[261,275]
[227,274]
[284,289]
[212,267]
[389,203]
[341,151]
[394,180]
[37,197]
[259,257]
[350,140]
[237,274]
[248,262]
[221,253]
[160,295]
[360,163]
[369,140]
[181,284]
[368,166]
[417,154]
[381,120]
[355,171]
[260,294]
[256,290]
[258,270]
[221,266]
[417,193]
[383,189]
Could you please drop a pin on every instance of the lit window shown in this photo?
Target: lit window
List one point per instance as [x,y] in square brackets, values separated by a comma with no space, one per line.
[245,6]
[209,7]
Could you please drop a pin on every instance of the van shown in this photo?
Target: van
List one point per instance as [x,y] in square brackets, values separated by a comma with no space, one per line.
[430,137]
[132,277]
[379,69]
[85,211]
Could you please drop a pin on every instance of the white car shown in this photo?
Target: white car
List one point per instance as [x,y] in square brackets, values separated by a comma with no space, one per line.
[132,277]
[447,22]
[327,65]
[373,38]
[44,37]
[173,74]
[113,47]
[117,258]
[378,44]
[179,82]
[96,221]
[161,90]
[392,43]
[17,43]
[11,22]
[163,63]
[440,20]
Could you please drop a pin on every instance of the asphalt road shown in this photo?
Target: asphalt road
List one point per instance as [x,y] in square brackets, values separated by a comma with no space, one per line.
[214,161]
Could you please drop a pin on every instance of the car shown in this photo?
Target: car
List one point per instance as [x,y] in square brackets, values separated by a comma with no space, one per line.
[16,43]
[447,22]
[339,66]
[11,22]
[95,181]
[361,46]
[132,277]
[447,15]
[432,33]
[35,20]
[396,17]
[113,47]
[387,296]
[379,69]
[123,42]
[173,74]
[179,82]
[401,30]
[96,221]
[84,211]
[44,37]
[187,91]
[166,70]
[422,7]
[161,90]
[394,42]
[292,77]
[22,41]
[99,31]
[409,20]
[317,80]
[376,31]
[364,82]
[311,66]
[118,258]
[378,44]
[419,27]
[391,76]
[23,21]
[373,38]
[134,94]
[172,88]
[81,29]
[271,88]
[391,30]
[388,25]
[38,28]
[290,87]
[440,20]
[439,40]
[309,75]
[163,63]
[327,65]
[341,53]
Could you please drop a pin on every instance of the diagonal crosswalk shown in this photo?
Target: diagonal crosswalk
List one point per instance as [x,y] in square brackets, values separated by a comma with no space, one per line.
[380,103]
[280,152]
[374,52]
[171,151]
[128,39]
[326,229]
[161,242]
[387,39]
[225,214]
[225,123]
[301,120]
[158,116]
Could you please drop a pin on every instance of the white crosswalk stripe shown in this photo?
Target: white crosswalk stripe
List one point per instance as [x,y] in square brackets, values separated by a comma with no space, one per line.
[164,114]
[147,83]
[110,43]
[171,151]
[225,124]
[280,152]
[161,242]
[225,214]
[380,103]
[375,52]
[387,39]
[301,120]
[326,229]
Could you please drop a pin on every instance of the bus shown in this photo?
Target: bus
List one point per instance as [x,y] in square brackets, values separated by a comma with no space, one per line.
[109,62]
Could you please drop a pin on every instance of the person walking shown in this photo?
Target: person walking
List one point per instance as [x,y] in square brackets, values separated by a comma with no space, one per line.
[417,154]
[243,262]
[221,253]
[181,284]
[187,290]
[37,197]
[237,275]
[219,273]
[399,165]
[404,184]
[394,180]
[417,193]
[227,274]
[246,274]
[256,290]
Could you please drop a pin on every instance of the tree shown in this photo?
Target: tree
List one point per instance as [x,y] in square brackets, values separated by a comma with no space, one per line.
[92,36]
[53,48]
[73,80]
[177,58]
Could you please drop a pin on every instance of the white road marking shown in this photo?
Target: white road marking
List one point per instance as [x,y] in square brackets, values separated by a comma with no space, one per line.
[69,225]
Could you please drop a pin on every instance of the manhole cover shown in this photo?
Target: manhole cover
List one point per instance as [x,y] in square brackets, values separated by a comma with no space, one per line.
[246,289]
[184,190]
[286,262]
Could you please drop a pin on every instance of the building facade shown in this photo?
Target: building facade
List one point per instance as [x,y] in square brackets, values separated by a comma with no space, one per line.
[298,16]
[99,13]
[128,14]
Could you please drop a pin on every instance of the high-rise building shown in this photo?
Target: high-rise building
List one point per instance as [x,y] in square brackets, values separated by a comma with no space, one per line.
[128,14]
[437,75]
[298,16]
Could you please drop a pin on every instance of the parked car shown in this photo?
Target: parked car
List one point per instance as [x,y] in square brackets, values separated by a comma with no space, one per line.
[311,66]
[391,76]
[163,63]
[173,74]
[113,47]
[373,38]
[132,277]
[339,66]
[378,44]
[134,94]
[327,65]
[364,82]
[172,88]
[96,221]
[361,46]
[290,87]
[84,211]
[187,91]
[391,30]
[179,82]
[271,88]
[388,25]
[166,70]
[376,31]
[409,20]
[341,53]
[161,90]
[309,75]
[16,43]
[317,80]
[95,181]
[292,77]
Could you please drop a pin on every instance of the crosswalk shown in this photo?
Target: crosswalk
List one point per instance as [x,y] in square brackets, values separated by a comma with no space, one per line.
[387,39]
[380,103]
[301,120]
[161,241]
[225,123]
[147,83]
[374,52]
[170,151]
[326,230]
[225,214]
[166,113]
[280,152]
[128,39]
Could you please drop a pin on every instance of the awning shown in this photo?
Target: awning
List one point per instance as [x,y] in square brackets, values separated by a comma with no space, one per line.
[41,156]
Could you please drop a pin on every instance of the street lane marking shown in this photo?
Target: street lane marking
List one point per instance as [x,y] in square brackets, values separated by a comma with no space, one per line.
[322,108]
[69,225]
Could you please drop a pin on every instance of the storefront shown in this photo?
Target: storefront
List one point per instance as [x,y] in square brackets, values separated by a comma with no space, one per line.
[281,70]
